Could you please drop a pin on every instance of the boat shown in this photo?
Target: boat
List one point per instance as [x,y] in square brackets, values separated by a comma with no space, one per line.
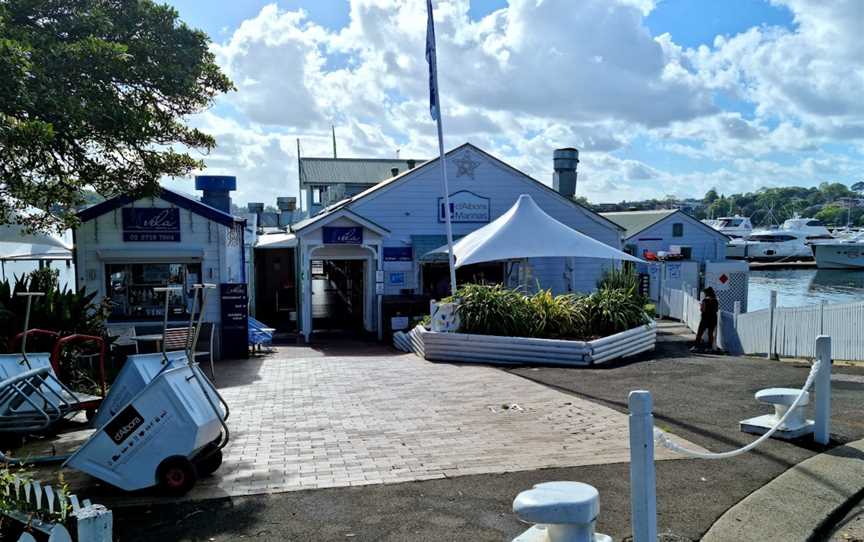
[791,241]
[733,226]
[770,245]
[840,254]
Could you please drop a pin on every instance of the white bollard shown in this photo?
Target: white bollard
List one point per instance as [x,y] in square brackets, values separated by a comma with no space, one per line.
[822,387]
[562,512]
[643,490]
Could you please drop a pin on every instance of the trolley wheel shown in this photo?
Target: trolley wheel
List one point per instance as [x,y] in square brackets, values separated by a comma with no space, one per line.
[176,475]
[210,463]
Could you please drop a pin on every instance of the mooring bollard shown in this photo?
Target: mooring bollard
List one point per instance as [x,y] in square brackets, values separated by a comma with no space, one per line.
[822,387]
[643,491]
[561,512]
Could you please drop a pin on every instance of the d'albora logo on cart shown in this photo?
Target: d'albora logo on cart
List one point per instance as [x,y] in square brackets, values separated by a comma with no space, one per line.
[124,424]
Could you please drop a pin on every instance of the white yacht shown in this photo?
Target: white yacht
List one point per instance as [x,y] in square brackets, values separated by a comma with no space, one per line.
[770,245]
[791,241]
[845,253]
[733,226]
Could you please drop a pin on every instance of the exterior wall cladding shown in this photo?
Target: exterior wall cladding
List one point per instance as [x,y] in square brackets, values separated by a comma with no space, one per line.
[410,208]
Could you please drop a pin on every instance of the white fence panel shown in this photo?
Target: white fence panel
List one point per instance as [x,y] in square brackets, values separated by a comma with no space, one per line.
[793,331]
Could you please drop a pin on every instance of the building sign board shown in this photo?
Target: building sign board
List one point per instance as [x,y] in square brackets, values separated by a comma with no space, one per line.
[336,235]
[398,254]
[465,207]
[235,320]
[148,224]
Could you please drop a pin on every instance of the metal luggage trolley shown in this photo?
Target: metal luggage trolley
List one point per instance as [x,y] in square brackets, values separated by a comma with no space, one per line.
[32,398]
[168,434]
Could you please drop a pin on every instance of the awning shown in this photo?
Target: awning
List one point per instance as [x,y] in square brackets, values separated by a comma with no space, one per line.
[162,255]
[276,240]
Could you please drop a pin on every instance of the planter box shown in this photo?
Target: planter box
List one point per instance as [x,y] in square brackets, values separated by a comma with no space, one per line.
[463,347]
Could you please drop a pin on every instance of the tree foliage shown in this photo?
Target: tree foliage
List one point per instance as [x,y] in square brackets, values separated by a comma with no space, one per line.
[93,96]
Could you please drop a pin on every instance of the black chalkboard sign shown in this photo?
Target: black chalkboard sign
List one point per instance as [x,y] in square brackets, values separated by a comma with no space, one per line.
[235,320]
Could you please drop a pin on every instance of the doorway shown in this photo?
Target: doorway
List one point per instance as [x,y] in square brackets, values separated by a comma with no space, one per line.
[338,298]
[276,288]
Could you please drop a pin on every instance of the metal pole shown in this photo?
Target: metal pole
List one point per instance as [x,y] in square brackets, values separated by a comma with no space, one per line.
[822,317]
[772,306]
[29,296]
[822,387]
[432,57]
[643,490]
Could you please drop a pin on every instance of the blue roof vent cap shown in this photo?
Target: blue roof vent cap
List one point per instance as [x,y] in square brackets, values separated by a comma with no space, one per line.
[220,183]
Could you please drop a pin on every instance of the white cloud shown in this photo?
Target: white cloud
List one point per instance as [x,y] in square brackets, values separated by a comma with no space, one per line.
[539,75]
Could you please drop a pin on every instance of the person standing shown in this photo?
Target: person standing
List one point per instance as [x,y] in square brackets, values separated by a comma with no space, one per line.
[709,307]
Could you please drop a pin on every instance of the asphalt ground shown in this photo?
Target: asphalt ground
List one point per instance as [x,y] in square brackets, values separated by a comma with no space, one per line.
[699,397]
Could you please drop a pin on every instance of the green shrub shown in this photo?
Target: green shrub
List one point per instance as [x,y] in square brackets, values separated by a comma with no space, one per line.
[493,310]
[496,310]
[65,311]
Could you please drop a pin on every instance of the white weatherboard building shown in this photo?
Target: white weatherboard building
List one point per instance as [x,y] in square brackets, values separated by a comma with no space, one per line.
[125,247]
[373,247]
[670,231]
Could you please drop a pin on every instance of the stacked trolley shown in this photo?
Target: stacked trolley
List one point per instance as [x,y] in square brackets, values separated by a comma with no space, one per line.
[162,423]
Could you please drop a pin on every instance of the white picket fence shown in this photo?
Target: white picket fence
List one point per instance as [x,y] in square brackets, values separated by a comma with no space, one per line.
[791,328]
[54,513]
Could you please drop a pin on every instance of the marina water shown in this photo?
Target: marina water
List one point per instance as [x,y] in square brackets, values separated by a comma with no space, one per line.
[797,287]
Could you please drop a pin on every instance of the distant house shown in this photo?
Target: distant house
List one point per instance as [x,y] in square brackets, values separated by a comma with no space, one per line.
[670,230]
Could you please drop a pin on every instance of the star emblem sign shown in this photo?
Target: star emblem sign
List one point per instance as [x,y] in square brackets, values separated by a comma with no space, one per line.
[466,165]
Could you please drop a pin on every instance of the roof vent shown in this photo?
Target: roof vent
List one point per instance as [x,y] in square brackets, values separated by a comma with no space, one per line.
[255,208]
[565,162]
[412,164]
[217,190]
[394,171]
[286,203]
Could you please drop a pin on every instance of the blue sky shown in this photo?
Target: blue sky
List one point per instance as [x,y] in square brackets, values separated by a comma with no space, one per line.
[666,97]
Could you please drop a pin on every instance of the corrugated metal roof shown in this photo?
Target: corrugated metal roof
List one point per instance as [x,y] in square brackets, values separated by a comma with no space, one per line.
[635,221]
[351,170]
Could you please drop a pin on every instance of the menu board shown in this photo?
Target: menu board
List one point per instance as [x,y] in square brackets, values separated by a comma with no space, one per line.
[235,320]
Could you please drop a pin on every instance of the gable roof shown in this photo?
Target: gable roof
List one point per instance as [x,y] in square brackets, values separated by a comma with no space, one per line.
[180,200]
[351,170]
[635,222]
[398,179]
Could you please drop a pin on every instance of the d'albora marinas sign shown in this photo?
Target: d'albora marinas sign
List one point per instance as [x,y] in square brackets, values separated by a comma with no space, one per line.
[147,224]
[465,206]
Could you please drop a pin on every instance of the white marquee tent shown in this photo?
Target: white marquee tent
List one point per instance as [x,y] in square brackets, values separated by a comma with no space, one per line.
[526,231]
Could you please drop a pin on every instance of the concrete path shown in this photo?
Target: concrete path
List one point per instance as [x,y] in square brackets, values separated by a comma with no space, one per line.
[798,504]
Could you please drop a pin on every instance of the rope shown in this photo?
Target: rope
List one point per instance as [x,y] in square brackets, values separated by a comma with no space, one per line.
[664,439]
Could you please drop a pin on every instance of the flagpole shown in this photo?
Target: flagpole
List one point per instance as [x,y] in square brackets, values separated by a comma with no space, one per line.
[436,102]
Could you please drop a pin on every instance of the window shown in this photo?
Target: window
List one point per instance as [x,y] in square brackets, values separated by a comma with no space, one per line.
[678,229]
[815,223]
[130,289]
[316,195]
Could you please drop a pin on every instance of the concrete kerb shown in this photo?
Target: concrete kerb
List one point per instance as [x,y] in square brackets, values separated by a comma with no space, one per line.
[800,503]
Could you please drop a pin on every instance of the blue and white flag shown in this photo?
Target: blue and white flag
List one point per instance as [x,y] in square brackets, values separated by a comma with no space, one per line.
[433,63]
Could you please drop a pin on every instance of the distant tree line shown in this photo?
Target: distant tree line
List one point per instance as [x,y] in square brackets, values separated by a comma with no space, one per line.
[836,204]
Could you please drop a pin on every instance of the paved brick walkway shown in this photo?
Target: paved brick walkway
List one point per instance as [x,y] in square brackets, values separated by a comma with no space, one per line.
[302,420]
[311,422]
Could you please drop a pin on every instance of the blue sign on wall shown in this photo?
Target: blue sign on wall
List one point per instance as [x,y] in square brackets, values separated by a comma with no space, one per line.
[352,235]
[398,254]
[151,224]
